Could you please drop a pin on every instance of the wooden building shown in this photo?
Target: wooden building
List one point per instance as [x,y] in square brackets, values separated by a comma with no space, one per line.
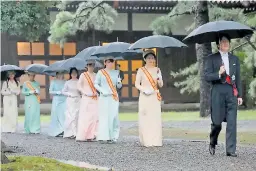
[131,24]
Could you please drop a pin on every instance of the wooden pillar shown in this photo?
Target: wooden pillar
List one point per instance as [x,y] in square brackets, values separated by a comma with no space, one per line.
[129,39]
[130,29]
[8,50]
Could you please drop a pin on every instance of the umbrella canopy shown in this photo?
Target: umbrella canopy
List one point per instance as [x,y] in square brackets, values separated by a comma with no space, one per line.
[5,68]
[86,53]
[66,65]
[36,68]
[51,69]
[157,41]
[210,31]
[118,50]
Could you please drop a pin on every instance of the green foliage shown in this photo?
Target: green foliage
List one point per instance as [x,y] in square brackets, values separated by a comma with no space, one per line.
[89,15]
[30,163]
[60,30]
[28,19]
[189,77]
[252,88]
[164,24]
[191,82]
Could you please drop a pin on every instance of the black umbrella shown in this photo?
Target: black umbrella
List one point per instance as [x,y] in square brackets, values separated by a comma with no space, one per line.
[118,50]
[157,41]
[5,68]
[36,68]
[51,69]
[66,65]
[210,31]
[86,53]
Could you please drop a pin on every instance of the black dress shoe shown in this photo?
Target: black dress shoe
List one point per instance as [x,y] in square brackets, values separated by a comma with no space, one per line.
[212,149]
[232,154]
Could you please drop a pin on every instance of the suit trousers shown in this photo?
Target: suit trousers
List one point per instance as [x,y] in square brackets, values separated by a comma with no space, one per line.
[224,108]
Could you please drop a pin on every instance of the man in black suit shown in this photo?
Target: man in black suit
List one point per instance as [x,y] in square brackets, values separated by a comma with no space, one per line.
[222,69]
[121,75]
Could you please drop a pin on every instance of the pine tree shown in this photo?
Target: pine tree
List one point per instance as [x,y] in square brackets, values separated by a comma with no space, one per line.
[90,15]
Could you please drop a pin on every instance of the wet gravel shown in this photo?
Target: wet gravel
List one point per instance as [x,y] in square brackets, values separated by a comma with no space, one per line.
[128,155]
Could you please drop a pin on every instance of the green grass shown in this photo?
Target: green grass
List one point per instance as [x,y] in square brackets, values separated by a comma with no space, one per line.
[168,116]
[28,163]
[248,138]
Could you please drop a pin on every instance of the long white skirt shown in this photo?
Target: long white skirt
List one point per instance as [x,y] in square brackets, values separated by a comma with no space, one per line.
[72,111]
[10,117]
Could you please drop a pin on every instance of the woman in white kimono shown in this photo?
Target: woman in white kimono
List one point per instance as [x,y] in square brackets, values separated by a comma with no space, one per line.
[106,82]
[10,91]
[56,127]
[148,79]
[72,104]
[88,112]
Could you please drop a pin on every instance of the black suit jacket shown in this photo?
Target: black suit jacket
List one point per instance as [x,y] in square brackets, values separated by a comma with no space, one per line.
[212,67]
[121,73]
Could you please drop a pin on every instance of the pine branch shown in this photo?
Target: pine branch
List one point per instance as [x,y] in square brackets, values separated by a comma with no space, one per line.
[239,46]
[184,13]
[86,15]
[253,46]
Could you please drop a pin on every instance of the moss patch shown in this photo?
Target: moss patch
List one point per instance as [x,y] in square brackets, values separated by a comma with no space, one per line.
[30,163]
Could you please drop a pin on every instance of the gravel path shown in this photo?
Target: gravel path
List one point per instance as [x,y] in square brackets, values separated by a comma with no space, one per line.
[127,155]
[202,125]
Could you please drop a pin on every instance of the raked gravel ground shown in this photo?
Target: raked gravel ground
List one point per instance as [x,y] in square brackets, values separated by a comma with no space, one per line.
[128,155]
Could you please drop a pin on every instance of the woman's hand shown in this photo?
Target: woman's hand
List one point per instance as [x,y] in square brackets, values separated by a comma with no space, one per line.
[32,92]
[148,92]
[59,93]
[159,78]
[105,93]
[13,92]
[88,94]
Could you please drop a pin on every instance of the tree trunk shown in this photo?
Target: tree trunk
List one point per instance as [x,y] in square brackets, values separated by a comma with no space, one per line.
[93,38]
[4,148]
[202,51]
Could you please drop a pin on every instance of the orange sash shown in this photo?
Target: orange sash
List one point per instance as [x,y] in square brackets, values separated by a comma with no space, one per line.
[152,82]
[32,89]
[91,85]
[111,85]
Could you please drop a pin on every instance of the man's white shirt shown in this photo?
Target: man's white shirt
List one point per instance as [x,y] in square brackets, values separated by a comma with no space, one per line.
[224,57]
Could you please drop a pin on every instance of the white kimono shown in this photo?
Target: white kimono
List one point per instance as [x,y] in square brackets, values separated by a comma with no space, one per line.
[72,108]
[10,118]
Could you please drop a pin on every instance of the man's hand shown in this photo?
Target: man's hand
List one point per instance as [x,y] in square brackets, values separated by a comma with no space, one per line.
[239,101]
[222,70]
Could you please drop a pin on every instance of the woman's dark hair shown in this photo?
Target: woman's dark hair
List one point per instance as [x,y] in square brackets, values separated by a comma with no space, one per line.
[7,81]
[71,70]
[150,54]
